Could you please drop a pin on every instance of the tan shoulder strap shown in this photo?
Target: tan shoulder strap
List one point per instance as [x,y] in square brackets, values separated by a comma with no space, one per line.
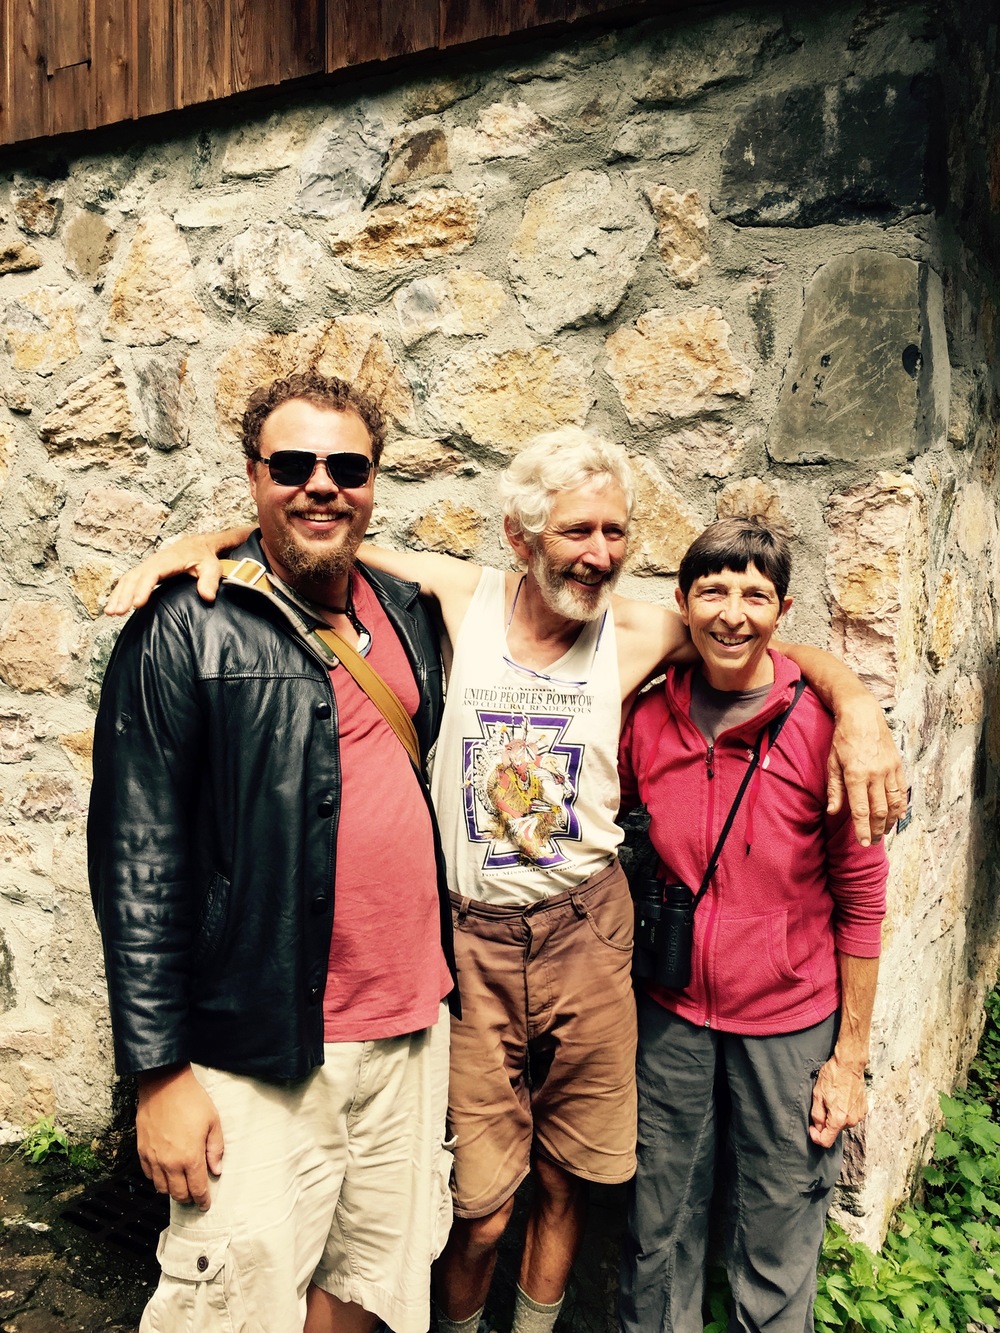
[253,575]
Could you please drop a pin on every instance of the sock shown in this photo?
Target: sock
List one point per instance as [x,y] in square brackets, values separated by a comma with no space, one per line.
[530,1317]
[470,1325]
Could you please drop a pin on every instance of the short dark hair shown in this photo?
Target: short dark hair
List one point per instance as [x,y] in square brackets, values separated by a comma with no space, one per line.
[328,392]
[735,543]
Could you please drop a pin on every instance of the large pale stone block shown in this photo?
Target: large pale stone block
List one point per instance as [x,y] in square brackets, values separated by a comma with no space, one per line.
[273,266]
[706,449]
[681,232]
[503,399]
[41,330]
[669,367]
[875,570]
[459,303]
[950,617]
[974,524]
[79,749]
[208,212]
[576,251]
[167,398]
[412,459]
[451,528]
[30,510]
[868,377]
[93,422]
[153,297]
[92,584]
[90,244]
[40,644]
[431,224]
[663,524]
[502,130]
[343,162]
[116,520]
[49,796]
[261,148]
[18,734]
[656,134]
[352,347]
[752,497]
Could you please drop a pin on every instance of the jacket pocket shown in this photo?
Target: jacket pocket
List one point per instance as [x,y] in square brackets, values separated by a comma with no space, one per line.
[751,971]
[211,920]
[192,1289]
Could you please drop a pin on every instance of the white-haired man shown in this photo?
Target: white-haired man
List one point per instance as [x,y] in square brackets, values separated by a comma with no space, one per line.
[546,662]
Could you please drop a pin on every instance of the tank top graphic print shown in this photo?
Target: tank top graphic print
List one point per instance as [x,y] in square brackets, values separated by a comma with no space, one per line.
[525,779]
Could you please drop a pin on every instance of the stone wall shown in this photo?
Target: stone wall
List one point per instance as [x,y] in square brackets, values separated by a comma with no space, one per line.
[752,242]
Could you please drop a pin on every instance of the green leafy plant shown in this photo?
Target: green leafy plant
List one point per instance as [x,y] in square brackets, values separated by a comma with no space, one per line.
[939,1268]
[43,1140]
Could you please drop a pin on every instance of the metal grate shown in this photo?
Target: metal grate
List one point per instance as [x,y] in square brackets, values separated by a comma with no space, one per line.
[124,1210]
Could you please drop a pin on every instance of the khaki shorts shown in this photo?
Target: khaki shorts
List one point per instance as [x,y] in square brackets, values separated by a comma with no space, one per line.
[544,1056]
[341,1179]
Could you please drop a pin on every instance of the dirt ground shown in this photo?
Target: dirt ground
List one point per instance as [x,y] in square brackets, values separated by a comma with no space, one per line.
[60,1276]
[57,1276]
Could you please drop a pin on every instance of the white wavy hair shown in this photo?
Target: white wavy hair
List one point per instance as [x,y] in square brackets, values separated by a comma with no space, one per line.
[558,461]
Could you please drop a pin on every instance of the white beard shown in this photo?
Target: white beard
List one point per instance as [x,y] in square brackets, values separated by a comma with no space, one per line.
[572,602]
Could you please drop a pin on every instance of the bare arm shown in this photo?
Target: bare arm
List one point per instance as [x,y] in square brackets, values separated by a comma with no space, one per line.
[650,637]
[839,1097]
[196,554]
[864,764]
[178,1134]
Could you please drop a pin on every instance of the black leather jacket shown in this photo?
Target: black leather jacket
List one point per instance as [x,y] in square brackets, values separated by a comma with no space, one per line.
[213,827]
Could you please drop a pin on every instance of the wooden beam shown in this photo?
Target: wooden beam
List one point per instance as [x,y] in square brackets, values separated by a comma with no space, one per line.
[29,106]
[113,72]
[67,40]
[256,26]
[205,51]
[303,40]
[158,56]
[471,20]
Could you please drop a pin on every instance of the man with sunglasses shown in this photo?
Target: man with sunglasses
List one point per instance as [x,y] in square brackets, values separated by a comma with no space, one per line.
[277,955]
[547,660]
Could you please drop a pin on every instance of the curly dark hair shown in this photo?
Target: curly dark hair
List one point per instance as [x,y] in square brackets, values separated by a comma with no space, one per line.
[328,392]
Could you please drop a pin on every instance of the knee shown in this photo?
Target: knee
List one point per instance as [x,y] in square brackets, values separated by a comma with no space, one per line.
[481,1235]
[556,1188]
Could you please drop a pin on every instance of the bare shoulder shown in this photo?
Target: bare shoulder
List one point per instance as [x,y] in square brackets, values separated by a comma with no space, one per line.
[649,637]
[439,576]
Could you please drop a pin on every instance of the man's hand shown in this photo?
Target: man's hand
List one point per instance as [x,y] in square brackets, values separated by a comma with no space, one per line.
[840,1100]
[178,1135]
[866,768]
[196,554]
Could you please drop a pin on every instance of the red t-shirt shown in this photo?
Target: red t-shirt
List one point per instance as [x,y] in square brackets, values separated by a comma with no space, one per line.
[387,972]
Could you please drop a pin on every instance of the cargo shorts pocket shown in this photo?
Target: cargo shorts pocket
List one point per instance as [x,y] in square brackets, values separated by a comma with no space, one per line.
[442,1187]
[191,1294]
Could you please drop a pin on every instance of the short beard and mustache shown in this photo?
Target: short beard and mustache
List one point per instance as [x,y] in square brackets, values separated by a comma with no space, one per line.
[316,562]
[572,602]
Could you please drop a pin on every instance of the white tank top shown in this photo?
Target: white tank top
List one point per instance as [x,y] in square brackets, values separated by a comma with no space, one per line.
[525,780]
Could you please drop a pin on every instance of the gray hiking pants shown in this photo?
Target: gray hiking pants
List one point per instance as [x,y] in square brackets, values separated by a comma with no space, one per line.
[780,1182]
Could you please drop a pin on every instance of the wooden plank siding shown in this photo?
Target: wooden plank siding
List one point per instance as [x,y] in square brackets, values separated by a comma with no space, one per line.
[70,65]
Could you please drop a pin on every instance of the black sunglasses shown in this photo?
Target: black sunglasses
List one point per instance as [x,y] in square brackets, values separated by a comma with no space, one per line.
[294,467]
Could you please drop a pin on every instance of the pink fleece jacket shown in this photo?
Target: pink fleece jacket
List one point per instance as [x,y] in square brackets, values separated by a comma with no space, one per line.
[767,932]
